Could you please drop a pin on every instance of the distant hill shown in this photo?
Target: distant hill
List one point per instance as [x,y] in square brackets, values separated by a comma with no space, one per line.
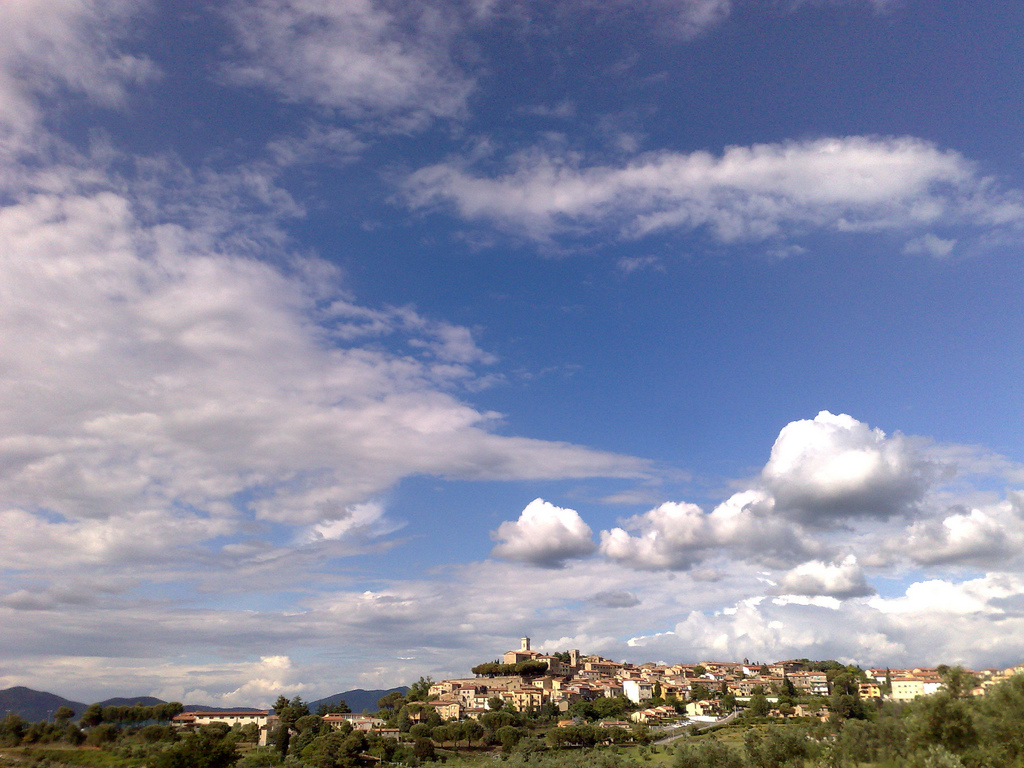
[39,705]
[35,705]
[129,701]
[357,699]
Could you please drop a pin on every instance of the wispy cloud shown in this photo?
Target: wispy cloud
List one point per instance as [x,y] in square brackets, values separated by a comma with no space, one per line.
[852,184]
[49,46]
[367,60]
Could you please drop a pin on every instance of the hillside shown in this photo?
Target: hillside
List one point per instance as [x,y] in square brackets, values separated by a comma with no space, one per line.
[358,700]
[128,701]
[35,705]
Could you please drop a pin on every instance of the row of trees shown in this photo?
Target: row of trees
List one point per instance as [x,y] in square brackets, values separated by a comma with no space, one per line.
[523,669]
[585,735]
[130,714]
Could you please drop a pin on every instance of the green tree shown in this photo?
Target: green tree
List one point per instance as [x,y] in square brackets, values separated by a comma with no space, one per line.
[420,690]
[472,731]
[288,713]
[775,748]
[712,754]
[444,733]
[335,749]
[844,700]
[391,702]
[206,748]
[339,707]
[509,736]
[699,692]
[168,711]
[958,682]
[945,721]
[758,706]
[1001,718]
[92,716]
[154,733]
[12,730]
[613,707]
[873,741]
[104,733]
[423,749]
[788,689]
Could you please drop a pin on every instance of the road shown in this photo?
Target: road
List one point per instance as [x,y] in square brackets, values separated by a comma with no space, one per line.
[675,737]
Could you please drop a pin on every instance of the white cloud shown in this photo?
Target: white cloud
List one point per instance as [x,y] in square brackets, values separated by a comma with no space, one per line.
[49,45]
[544,535]
[162,388]
[629,264]
[363,57]
[228,683]
[937,598]
[965,537]
[682,18]
[671,536]
[677,536]
[747,193]
[841,580]
[974,623]
[834,468]
[930,245]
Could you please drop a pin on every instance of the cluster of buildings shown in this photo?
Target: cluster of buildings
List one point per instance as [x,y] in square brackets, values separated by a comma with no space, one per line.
[908,684]
[572,677]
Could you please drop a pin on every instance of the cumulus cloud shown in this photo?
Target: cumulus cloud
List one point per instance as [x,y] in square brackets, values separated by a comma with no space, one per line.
[544,535]
[966,537]
[367,59]
[677,536]
[746,193]
[841,580]
[934,622]
[833,468]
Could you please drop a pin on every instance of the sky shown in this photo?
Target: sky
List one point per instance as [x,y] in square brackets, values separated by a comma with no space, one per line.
[344,342]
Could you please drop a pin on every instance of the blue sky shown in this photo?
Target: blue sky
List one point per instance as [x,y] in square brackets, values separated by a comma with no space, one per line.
[347,342]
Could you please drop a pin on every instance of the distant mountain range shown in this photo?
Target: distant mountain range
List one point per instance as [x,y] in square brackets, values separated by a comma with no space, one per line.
[39,705]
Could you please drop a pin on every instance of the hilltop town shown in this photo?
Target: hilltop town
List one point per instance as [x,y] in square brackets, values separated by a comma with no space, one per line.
[526,679]
[572,686]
